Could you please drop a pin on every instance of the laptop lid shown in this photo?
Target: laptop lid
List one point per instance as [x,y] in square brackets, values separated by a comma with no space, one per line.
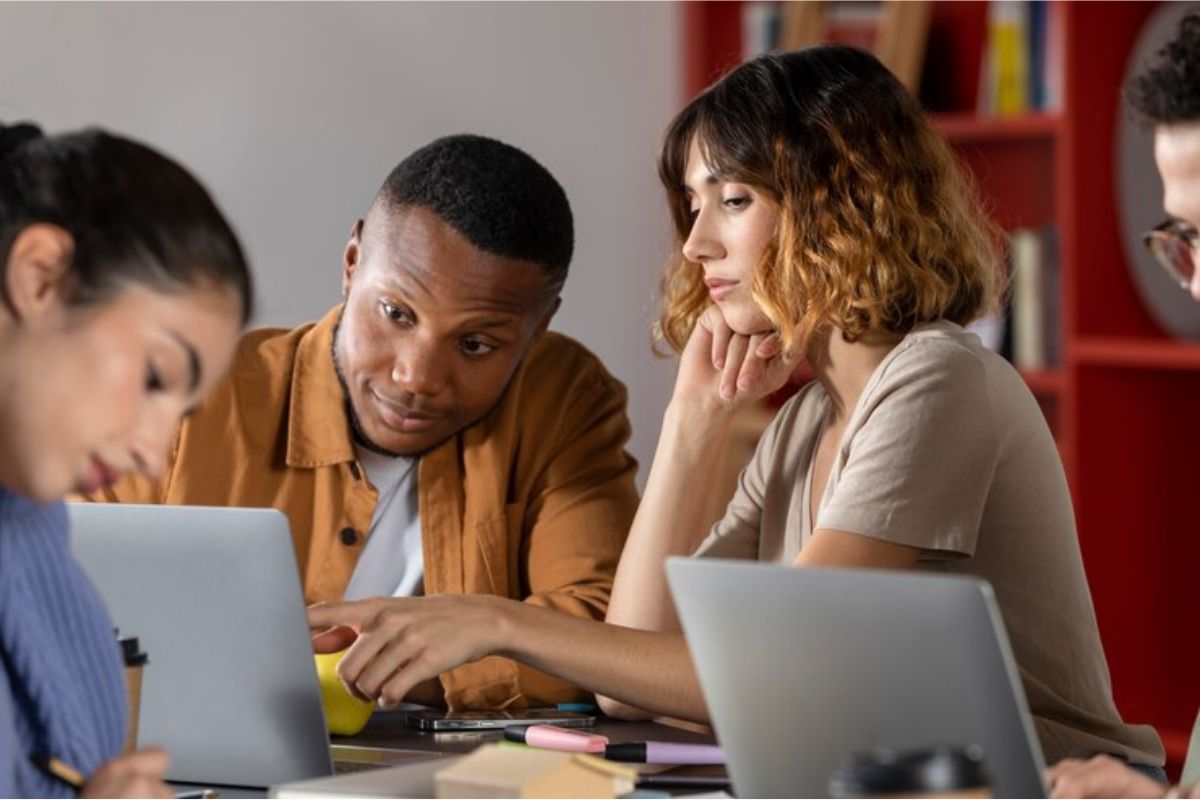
[802,667]
[214,597]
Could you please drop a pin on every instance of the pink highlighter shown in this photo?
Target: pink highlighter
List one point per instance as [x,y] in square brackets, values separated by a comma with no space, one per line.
[550,737]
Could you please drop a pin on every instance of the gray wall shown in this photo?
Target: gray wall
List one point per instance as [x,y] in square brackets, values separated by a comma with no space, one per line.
[293,114]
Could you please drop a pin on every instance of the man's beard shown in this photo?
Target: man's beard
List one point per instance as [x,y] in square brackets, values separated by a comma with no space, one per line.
[356,428]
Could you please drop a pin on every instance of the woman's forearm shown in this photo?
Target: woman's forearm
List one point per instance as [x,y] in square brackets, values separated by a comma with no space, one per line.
[638,658]
[643,669]
[670,519]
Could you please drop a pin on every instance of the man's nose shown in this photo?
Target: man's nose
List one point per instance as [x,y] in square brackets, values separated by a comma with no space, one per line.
[420,369]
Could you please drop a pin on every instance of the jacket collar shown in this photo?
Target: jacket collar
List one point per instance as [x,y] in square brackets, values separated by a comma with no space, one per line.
[318,426]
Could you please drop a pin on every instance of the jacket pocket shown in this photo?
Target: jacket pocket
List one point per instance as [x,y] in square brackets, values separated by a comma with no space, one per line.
[501,548]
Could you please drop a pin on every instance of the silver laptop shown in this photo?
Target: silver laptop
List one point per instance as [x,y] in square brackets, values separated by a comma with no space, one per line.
[214,597]
[802,667]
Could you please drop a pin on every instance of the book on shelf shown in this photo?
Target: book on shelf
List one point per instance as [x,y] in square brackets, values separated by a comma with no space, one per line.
[1052,299]
[760,27]
[1036,87]
[1028,311]
[1035,299]
[1022,58]
[893,30]
[1051,65]
[852,22]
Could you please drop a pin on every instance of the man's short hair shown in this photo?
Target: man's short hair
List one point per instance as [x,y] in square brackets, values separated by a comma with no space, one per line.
[496,195]
[1169,90]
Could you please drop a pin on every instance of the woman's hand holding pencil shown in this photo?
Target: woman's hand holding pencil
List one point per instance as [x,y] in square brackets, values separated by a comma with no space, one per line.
[139,774]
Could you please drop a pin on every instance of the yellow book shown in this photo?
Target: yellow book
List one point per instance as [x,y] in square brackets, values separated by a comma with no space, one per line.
[1008,49]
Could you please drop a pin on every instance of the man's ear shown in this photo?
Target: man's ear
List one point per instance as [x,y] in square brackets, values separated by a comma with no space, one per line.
[351,256]
[37,277]
[549,315]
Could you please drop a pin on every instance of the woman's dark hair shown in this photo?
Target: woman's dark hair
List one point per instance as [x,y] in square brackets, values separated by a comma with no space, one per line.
[136,216]
[879,227]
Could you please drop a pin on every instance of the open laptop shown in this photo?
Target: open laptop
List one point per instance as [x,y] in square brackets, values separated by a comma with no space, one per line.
[802,667]
[214,597]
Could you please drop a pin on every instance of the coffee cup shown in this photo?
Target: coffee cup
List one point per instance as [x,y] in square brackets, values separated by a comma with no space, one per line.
[932,772]
[135,661]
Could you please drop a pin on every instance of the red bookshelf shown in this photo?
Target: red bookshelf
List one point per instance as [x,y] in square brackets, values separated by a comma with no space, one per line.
[1123,402]
[961,128]
[1147,353]
[1136,389]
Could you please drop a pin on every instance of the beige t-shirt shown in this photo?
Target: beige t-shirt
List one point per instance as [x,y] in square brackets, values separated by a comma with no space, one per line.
[948,451]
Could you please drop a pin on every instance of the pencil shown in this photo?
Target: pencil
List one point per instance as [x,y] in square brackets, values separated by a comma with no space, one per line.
[61,770]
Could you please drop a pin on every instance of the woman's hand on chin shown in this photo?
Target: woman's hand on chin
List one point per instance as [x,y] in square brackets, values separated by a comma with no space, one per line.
[720,365]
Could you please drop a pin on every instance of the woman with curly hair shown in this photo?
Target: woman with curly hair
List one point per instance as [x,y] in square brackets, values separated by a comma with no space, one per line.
[819,217]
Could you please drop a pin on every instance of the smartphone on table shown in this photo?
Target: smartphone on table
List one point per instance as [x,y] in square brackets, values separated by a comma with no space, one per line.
[439,720]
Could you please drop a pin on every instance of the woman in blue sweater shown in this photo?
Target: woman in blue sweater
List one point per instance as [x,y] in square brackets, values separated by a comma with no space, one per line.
[123,292]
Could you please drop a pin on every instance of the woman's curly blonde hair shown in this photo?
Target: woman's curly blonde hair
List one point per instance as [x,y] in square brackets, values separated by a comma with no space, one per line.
[880,229]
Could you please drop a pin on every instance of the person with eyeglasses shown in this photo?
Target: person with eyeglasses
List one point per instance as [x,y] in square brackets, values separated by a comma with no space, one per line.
[1173,242]
[1167,96]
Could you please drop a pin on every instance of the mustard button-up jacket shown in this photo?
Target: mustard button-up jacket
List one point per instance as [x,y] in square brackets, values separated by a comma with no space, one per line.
[533,502]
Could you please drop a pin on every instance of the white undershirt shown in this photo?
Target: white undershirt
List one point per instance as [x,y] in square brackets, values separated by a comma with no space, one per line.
[391,563]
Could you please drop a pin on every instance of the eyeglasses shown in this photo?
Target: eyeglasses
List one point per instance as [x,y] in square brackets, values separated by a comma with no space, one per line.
[1172,243]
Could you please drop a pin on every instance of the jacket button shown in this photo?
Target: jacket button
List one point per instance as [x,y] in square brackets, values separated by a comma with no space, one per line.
[349,536]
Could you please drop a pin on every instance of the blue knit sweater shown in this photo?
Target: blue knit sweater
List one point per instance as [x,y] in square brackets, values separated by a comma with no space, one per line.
[61,692]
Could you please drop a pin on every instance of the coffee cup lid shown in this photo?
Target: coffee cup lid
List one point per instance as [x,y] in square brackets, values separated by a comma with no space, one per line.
[132,652]
[882,772]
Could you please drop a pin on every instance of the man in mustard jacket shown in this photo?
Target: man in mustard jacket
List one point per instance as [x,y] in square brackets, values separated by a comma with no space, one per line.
[429,435]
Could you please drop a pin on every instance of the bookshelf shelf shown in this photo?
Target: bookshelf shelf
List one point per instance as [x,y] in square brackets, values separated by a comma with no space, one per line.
[1113,351]
[1122,400]
[959,128]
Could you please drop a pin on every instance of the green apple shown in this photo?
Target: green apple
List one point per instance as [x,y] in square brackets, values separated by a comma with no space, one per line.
[345,714]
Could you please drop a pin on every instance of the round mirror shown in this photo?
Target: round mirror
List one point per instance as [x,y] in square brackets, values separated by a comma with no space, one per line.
[1139,189]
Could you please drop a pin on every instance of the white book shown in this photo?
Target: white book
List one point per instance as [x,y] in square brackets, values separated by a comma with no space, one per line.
[1028,300]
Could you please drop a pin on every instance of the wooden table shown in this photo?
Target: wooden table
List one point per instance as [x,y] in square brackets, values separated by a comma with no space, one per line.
[387,731]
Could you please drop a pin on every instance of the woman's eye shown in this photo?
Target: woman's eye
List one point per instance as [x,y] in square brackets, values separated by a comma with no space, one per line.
[741,201]
[476,347]
[154,380]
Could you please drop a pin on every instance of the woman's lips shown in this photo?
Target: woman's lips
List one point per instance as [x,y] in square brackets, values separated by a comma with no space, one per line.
[100,474]
[719,288]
